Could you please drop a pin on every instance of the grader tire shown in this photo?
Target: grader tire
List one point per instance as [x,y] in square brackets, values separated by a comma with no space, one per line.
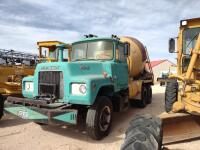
[171,93]
[1,106]
[148,125]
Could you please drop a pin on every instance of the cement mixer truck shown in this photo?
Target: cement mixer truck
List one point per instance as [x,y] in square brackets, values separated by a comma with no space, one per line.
[102,76]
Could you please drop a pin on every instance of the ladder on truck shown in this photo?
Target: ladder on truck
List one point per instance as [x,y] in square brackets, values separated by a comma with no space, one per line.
[148,62]
[12,57]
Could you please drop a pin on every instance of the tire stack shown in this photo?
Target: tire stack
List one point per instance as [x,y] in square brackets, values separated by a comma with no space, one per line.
[145,132]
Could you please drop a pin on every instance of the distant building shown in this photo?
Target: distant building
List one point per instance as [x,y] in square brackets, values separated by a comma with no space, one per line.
[160,66]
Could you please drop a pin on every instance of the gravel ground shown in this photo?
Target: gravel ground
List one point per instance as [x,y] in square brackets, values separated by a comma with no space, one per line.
[17,134]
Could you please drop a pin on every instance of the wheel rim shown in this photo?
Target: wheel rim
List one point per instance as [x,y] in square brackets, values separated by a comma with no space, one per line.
[105,118]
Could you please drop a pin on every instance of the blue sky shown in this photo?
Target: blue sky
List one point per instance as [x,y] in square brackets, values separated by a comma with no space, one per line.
[24,22]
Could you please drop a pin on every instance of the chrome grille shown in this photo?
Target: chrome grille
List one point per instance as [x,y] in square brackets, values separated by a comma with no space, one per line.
[51,83]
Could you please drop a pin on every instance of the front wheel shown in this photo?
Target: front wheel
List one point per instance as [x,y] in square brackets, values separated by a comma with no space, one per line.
[1,106]
[99,118]
[171,93]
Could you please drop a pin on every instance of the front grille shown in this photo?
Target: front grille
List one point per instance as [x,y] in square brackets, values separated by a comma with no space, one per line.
[51,84]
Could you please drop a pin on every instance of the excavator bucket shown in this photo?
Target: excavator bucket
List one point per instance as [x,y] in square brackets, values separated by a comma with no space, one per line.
[180,127]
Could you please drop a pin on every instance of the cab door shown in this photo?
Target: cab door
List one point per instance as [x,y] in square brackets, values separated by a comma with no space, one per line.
[120,68]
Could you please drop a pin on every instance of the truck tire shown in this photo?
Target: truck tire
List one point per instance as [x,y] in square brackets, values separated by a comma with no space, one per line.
[144,96]
[171,93]
[149,99]
[99,118]
[1,105]
[144,127]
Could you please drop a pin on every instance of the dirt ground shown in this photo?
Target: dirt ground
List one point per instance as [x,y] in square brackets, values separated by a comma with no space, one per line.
[17,134]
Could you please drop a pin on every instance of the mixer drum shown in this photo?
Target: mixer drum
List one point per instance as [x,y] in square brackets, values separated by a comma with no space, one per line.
[137,59]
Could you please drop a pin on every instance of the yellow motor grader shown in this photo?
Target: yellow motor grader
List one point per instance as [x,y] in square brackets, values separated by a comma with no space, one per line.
[182,95]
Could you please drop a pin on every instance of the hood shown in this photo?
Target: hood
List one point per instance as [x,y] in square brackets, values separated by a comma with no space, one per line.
[81,68]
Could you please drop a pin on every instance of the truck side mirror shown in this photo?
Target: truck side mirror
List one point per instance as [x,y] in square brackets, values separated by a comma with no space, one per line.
[171,45]
[127,49]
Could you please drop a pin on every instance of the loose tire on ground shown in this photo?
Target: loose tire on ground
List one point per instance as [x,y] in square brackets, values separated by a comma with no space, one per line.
[150,126]
[140,139]
[152,123]
[99,118]
[1,106]
[171,93]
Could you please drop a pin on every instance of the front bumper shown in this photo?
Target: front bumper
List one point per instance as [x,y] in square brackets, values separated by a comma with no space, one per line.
[39,111]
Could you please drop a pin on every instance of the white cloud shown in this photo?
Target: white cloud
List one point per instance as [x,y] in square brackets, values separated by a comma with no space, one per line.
[152,22]
[25,38]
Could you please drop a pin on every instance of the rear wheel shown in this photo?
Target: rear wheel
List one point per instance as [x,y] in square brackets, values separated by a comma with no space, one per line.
[149,99]
[144,96]
[1,106]
[99,118]
[171,93]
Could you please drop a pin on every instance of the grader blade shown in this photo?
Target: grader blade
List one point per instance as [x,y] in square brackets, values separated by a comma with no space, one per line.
[179,127]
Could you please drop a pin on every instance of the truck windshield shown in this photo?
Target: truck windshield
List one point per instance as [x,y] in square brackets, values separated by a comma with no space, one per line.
[190,36]
[97,50]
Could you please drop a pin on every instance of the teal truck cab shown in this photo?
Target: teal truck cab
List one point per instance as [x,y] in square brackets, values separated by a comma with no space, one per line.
[99,79]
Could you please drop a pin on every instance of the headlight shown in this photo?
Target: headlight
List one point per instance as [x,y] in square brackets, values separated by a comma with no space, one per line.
[79,89]
[28,86]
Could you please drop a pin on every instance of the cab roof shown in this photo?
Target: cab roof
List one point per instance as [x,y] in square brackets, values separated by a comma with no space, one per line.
[97,39]
[49,43]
